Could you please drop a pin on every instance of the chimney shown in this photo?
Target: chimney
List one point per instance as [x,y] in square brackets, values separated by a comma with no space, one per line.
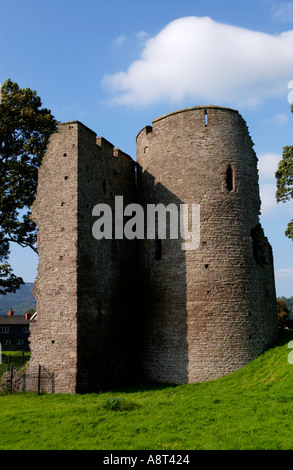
[27,316]
[10,312]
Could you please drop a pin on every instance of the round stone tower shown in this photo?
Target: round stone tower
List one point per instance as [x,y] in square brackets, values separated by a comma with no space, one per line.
[209,307]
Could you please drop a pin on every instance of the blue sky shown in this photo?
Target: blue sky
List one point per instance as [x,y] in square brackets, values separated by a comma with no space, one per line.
[117,65]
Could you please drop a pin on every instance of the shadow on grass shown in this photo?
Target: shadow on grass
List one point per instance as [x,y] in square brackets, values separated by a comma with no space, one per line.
[141,384]
[284,337]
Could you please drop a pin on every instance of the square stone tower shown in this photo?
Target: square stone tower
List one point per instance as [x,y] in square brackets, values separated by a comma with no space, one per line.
[84,288]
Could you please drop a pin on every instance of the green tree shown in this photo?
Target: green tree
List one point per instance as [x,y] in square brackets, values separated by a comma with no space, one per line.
[8,281]
[25,128]
[284,177]
[31,311]
[282,312]
[289,304]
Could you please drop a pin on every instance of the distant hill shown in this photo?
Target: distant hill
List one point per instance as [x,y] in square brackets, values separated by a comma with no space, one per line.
[20,301]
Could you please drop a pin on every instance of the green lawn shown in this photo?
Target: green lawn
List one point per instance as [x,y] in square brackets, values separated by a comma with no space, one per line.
[249,409]
[15,360]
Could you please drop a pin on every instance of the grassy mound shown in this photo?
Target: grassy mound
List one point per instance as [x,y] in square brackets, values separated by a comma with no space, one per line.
[249,409]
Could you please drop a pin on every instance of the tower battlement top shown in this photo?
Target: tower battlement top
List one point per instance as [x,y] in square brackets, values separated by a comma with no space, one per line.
[194,108]
[148,129]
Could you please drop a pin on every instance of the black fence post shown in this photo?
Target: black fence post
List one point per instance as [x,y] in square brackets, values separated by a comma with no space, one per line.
[24,383]
[22,359]
[11,379]
[9,360]
[39,380]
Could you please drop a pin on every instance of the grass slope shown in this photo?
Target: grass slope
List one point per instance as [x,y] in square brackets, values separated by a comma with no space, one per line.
[249,409]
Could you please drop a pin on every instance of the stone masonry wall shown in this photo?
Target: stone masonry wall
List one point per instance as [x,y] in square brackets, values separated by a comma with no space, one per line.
[110,309]
[211,310]
[54,336]
[84,286]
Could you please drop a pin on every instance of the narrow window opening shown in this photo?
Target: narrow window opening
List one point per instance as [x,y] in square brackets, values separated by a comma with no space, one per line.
[205,117]
[158,249]
[229,178]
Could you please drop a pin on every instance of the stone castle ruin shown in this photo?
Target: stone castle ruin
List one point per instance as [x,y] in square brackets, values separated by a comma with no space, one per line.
[112,309]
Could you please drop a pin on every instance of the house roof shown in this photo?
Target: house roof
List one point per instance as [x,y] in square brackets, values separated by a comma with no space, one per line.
[14,320]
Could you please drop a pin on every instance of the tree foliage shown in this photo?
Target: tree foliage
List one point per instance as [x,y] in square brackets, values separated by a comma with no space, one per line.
[25,128]
[282,312]
[284,177]
[289,304]
[8,281]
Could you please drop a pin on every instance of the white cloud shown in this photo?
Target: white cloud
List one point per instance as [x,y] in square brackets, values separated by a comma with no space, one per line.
[267,196]
[204,61]
[278,119]
[142,35]
[119,41]
[290,95]
[268,165]
[284,273]
[283,11]
[122,39]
